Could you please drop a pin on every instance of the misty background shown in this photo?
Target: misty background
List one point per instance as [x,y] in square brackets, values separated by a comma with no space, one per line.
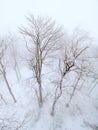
[69,13]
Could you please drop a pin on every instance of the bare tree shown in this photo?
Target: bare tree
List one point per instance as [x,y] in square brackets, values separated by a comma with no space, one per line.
[15,63]
[43,38]
[74,60]
[3,48]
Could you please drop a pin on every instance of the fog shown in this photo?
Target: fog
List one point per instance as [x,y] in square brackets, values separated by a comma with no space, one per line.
[69,13]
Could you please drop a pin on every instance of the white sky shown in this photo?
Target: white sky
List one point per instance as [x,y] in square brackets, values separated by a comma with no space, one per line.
[70,13]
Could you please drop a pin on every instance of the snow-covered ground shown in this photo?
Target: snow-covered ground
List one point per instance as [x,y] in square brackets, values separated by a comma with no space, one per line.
[25,114]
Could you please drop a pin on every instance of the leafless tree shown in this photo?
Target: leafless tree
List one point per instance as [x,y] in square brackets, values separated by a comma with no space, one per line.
[74,60]
[13,52]
[42,43]
[3,48]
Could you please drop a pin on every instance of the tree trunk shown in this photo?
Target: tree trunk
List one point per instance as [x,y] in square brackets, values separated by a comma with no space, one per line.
[9,88]
[53,108]
[6,81]
[40,94]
